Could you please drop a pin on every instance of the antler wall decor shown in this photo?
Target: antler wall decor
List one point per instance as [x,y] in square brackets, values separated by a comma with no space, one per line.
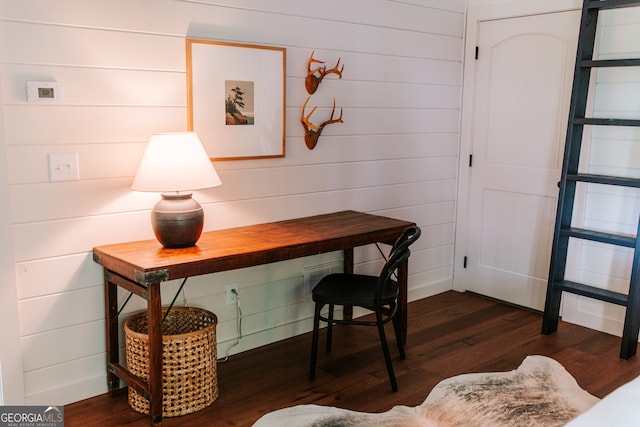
[313,80]
[311,131]
[315,76]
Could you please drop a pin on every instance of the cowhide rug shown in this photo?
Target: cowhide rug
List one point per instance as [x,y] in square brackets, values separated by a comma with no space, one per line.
[539,393]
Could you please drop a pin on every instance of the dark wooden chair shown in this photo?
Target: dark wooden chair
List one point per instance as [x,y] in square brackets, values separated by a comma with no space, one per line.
[376,293]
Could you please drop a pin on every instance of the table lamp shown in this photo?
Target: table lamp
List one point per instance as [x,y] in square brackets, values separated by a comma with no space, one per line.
[174,164]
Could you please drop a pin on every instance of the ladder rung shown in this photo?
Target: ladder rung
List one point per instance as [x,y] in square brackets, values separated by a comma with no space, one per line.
[592,292]
[611,4]
[599,236]
[604,179]
[628,62]
[606,122]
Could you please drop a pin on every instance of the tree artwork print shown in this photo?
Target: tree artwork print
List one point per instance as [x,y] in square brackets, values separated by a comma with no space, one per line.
[239,103]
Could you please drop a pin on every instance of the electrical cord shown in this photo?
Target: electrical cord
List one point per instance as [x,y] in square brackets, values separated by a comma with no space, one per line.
[238,326]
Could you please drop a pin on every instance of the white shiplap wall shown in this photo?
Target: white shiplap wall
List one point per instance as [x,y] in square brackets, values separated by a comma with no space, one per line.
[121,65]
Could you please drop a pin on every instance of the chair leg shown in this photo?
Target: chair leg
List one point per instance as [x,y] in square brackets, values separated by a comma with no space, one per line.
[330,328]
[396,328]
[314,342]
[385,350]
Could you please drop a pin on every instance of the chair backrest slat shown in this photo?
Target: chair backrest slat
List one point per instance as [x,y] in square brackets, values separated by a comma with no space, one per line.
[399,253]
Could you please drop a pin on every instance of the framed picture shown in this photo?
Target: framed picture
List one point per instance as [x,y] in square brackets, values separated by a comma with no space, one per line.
[235,98]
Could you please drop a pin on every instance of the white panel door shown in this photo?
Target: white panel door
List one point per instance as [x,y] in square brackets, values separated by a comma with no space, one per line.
[524,74]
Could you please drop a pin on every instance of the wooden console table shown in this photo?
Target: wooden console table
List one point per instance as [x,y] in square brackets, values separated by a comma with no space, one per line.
[141,267]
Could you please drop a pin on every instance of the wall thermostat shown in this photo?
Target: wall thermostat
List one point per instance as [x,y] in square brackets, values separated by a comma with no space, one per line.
[47,92]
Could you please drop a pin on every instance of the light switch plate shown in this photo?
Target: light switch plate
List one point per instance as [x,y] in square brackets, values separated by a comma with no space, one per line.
[63,166]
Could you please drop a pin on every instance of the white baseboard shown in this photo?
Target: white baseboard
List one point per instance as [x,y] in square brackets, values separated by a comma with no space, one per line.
[429,289]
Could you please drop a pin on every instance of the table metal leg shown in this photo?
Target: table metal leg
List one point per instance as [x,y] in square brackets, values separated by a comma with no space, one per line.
[155,353]
[111,318]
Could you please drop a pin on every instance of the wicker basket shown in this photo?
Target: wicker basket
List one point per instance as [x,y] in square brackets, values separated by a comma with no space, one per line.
[189,379]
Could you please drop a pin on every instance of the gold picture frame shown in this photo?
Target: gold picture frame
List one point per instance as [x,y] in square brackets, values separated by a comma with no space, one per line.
[236,98]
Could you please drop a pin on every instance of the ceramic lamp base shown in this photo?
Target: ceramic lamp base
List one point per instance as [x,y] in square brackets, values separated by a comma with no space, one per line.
[177,220]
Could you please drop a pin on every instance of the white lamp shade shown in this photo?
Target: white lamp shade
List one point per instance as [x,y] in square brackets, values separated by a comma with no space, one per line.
[175,162]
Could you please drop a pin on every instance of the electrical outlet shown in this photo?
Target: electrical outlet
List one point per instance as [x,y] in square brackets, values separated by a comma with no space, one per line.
[313,274]
[232,298]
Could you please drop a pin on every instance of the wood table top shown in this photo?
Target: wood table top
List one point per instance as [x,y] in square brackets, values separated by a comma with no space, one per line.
[147,262]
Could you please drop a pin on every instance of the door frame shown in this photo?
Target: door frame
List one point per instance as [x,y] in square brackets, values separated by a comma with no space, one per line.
[475,16]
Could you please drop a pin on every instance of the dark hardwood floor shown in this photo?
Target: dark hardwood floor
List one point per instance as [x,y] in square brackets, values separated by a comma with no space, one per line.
[449,334]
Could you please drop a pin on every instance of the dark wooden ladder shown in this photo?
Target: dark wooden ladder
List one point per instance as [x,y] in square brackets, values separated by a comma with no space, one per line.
[571,177]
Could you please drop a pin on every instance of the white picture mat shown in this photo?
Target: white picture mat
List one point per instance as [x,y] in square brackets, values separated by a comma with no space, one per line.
[211,64]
